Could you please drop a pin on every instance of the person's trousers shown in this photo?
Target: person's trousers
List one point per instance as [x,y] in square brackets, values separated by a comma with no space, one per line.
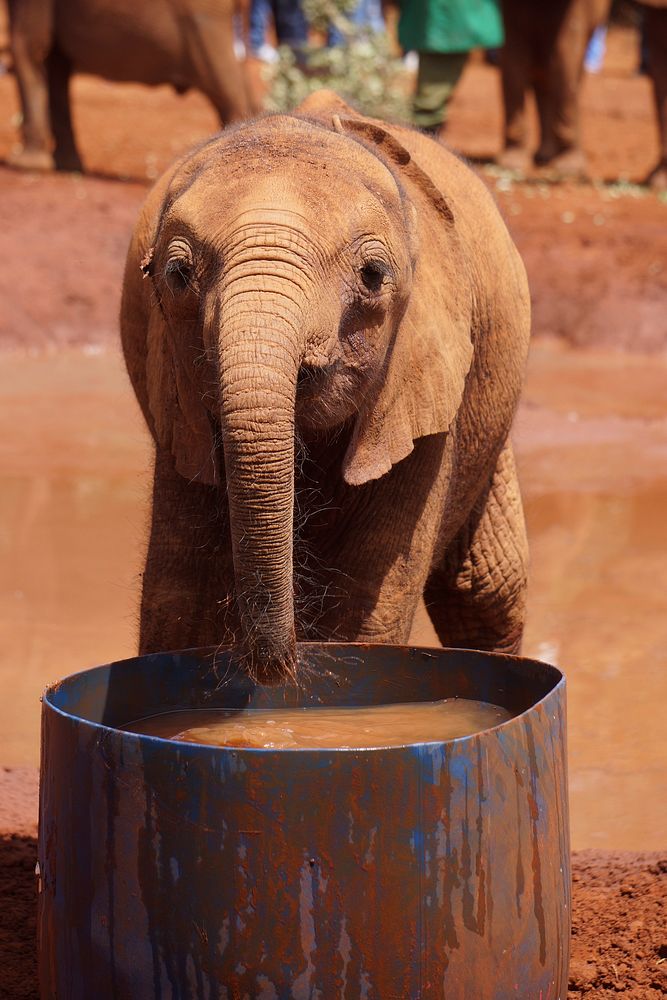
[258,20]
[291,25]
[438,74]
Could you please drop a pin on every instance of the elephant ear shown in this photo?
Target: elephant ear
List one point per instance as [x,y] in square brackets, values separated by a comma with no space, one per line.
[180,420]
[160,369]
[426,367]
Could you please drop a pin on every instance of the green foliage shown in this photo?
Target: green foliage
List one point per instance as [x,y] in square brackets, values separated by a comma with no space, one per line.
[322,13]
[363,70]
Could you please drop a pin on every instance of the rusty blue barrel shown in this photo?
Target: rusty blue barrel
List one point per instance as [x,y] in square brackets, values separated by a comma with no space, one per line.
[432,870]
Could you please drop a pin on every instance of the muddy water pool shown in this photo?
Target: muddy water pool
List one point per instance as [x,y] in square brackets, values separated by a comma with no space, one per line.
[592,449]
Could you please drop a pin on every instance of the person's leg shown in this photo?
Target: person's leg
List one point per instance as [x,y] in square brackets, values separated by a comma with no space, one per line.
[656,39]
[259,15]
[291,26]
[368,14]
[438,74]
[334,35]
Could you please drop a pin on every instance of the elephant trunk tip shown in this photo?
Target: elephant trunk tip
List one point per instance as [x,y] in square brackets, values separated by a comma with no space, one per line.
[269,662]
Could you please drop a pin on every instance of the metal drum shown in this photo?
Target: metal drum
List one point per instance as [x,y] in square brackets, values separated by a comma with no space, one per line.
[432,870]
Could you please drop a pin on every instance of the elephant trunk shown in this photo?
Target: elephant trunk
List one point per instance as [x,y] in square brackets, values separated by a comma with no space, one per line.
[259,360]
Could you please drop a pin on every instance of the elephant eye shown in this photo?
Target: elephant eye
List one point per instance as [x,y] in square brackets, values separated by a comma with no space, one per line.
[373,274]
[178,274]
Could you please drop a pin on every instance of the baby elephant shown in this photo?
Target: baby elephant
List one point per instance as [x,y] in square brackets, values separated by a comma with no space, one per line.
[326,324]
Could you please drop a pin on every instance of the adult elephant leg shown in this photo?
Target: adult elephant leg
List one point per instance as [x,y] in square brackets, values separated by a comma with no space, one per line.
[214,67]
[30,31]
[59,70]
[558,96]
[516,67]
[188,585]
[656,36]
[476,598]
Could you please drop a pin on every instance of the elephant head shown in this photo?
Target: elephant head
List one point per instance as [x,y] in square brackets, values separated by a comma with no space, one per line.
[301,278]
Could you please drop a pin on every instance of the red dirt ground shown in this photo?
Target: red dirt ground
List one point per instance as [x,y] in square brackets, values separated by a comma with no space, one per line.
[596,262]
[619,945]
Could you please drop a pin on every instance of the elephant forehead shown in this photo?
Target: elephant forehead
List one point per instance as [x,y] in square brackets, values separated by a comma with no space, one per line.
[312,148]
[329,204]
[316,160]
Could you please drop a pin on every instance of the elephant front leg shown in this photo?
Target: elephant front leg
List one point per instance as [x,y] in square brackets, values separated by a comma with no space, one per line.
[30,30]
[557,93]
[187,595]
[656,39]
[372,567]
[516,73]
[476,599]
[66,155]
[377,614]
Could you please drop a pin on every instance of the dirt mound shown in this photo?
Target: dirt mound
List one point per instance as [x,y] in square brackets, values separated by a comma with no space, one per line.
[595,262]
[619,926]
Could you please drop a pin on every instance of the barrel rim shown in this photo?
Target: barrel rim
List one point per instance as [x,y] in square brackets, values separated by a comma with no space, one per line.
[106,731]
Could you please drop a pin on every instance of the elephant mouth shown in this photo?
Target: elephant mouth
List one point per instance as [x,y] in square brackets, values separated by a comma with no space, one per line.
[311,378]
[327,395]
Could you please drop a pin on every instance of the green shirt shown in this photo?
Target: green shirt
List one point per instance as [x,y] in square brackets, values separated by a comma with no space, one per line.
[450,25]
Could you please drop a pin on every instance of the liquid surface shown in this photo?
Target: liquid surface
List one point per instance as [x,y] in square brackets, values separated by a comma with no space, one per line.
[315,728]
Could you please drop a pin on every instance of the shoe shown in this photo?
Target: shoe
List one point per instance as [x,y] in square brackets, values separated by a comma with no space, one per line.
[266,53]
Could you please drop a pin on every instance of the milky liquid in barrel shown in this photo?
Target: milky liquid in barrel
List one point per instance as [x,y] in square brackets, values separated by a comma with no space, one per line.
[314,728]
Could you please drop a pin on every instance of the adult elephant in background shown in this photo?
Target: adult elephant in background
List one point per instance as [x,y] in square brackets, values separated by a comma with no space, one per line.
[326,324]
[545,46]
[655,33]
[187,43]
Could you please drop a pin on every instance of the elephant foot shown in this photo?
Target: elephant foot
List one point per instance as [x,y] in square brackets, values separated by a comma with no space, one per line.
[68,162]
[657,179]
[31,159]
[570,165]
[514,158]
